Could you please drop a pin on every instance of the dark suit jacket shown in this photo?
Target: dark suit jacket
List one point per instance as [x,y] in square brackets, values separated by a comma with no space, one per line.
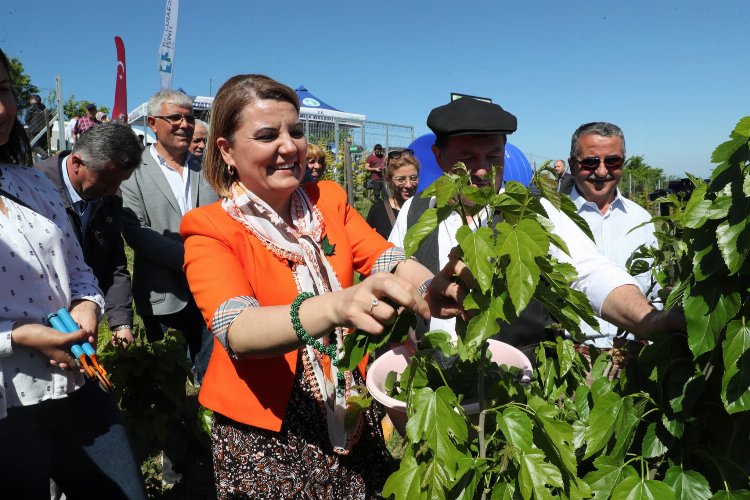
[151,226]
[102,244]
[565,183]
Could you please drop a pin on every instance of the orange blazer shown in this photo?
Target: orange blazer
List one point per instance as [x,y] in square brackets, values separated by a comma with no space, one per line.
[224,260]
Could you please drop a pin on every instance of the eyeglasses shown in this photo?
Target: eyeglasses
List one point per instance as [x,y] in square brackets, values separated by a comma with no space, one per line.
[401,179]
[176,119]
[612,162]
[395,155]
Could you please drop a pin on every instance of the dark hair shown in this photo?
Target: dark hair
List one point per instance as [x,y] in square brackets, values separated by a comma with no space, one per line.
[109,143]
[17,150]
[226,117]
[377,146]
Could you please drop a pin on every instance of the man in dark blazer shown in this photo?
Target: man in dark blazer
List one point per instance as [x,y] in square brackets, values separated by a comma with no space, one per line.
[168,183]
[565,181]
[88,179]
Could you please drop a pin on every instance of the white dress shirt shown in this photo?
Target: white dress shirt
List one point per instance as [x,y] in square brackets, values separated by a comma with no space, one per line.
[597,276]
[41,270]
[180,183]
[612,234]
[84,209]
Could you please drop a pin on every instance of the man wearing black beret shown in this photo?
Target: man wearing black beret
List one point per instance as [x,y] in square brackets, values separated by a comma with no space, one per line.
[474,132]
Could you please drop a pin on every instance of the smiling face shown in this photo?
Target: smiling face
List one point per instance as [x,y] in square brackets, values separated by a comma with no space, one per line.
[174,138]
[7,106]
[404,182]
[598,184]
[315,167]
[478,152]
[268,151]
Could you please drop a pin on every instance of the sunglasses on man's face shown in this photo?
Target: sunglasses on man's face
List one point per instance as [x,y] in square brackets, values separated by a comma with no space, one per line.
[612,162]
[395,155]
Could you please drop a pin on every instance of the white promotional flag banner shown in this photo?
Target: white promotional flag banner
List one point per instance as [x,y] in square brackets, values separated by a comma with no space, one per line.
[166,49]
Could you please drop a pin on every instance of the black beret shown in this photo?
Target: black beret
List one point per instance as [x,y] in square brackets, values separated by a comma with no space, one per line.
[469,116]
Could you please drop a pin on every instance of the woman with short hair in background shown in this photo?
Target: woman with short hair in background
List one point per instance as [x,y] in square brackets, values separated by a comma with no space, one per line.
[316,162]
[401,180]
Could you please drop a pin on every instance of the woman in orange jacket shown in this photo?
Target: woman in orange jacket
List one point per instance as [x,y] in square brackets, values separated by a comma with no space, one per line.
[271,267]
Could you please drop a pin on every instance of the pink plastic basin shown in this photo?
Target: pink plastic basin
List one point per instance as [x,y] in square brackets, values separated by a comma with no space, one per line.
[397,359]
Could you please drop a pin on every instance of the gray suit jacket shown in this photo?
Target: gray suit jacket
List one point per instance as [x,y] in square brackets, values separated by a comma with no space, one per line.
[151,226]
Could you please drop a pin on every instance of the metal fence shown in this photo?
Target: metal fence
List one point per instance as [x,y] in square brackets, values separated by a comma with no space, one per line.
[363,133]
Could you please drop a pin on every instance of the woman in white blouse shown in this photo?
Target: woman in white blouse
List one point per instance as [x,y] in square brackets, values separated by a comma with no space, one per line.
[52,423]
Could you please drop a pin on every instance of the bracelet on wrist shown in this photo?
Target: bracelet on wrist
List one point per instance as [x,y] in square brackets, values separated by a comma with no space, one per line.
[329,350]
[422,290]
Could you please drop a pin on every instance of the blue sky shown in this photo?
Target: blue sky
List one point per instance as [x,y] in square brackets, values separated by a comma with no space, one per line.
[673,74]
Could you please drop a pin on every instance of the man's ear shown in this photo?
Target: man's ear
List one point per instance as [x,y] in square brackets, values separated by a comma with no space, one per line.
[438,156]
[225,146]
[76,162]
[573,166]
[151,123]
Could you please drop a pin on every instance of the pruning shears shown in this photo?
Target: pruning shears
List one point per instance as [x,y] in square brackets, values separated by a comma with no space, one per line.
[85,355]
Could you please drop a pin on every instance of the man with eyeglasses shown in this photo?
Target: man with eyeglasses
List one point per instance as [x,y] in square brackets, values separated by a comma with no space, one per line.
[200,136]
[168,183]
[597,157]
[474,132]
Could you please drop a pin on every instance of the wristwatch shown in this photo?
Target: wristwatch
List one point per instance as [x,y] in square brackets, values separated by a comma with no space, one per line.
[121,327]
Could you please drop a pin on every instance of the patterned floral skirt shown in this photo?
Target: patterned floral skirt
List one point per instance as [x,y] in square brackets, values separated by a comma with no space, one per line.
[298,461]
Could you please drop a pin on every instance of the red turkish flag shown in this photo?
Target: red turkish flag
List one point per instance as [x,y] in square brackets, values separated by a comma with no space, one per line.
[120,109]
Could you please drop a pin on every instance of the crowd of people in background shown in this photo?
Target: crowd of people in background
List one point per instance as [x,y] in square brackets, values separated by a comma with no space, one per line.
[241,245]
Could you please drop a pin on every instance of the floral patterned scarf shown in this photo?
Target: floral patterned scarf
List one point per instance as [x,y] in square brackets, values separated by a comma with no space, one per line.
[300,244]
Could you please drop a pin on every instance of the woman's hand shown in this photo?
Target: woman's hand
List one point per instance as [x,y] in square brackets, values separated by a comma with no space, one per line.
[373,304]
[86,314]
[53,344]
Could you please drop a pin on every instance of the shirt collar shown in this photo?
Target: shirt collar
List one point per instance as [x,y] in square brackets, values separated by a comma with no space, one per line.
[580,201]
[161,161]
[72,194]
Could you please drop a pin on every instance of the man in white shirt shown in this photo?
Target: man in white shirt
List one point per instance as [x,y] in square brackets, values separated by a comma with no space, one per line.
[168,183]
[474,132]
[597,155]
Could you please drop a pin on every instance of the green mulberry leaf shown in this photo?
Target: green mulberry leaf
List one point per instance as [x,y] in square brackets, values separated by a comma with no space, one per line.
[536,474]
[477,252]
[435,420]
[735,384]
[608,474]
[708,308]
[636,488]
[406,482]
[687,484]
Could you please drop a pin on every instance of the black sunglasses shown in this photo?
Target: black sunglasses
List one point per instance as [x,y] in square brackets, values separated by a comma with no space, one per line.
[177,118]
[612,162]
[395,155]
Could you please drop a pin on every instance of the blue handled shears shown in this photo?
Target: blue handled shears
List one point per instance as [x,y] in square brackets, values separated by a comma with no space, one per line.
[85,355]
